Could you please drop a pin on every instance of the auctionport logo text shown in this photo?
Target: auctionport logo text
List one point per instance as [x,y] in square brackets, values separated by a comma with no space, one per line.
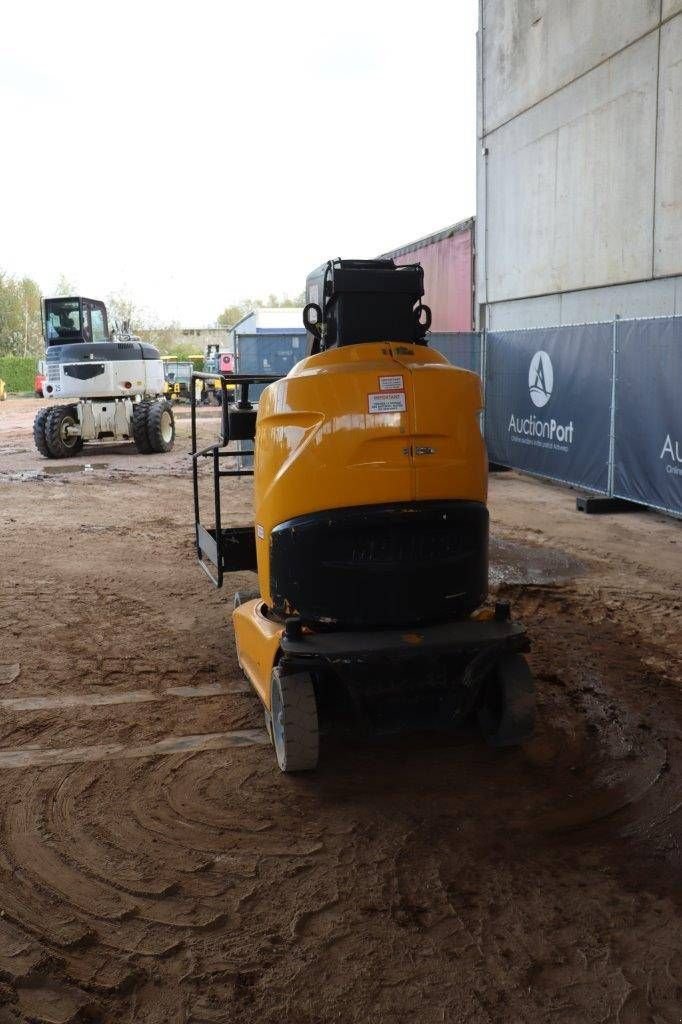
[531,429]
[548,430]
[672,450]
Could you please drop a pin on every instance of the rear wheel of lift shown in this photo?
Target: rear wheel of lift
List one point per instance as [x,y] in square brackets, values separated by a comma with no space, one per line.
[161,426]
[140,413]
[39,432]
[507,713]
[60,442]
[268,725]
[295,729]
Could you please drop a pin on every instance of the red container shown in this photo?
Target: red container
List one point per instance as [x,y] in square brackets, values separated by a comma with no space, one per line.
[448,261]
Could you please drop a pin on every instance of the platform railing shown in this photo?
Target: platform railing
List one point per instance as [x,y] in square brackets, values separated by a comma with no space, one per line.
[230,549]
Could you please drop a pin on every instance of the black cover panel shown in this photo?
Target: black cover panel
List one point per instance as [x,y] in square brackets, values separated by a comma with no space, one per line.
[84,371]
[367,300]
[381,565]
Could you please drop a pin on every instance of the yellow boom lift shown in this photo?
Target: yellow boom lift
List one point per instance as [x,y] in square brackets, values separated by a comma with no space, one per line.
[370,533]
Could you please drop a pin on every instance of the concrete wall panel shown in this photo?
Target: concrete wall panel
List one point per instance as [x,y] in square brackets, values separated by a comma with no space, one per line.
[640,299]
[545,311]
[671,7]
[645,298]
[570,183]
[531,48]
[668,212]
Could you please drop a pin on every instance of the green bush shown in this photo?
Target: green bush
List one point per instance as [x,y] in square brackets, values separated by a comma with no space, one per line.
[18,372]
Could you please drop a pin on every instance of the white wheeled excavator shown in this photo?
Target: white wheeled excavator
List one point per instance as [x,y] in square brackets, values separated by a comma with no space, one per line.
[115,385]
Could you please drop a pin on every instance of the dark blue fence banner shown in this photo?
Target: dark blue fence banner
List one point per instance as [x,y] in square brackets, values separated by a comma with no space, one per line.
[548,402]
[464,348]
[647,463]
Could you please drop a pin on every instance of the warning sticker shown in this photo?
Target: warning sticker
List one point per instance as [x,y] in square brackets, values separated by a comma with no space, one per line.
[387,401]
[391,383]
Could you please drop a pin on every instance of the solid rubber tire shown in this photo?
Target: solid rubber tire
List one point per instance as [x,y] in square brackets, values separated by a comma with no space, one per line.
[295,727]
[53,425]
[507,713]
[39,438]
[154,426]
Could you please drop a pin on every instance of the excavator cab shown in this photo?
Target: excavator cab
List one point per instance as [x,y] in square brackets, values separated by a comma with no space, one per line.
[74,319]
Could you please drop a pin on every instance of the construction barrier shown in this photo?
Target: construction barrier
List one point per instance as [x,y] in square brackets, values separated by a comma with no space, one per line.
[647,450]
[595,406]
[463,349]
[548,402]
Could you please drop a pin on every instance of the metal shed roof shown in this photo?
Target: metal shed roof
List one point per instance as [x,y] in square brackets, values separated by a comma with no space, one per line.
[437,236]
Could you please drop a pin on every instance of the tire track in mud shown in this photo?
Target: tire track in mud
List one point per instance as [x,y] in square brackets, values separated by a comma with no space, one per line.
[405,864]
[414,878]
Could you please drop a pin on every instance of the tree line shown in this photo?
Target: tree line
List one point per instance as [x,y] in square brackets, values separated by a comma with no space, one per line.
[21,332]
[232,314]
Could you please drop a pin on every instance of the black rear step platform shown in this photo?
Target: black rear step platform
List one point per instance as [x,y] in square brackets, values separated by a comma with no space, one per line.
[234,552]
[230,549]
[466,635]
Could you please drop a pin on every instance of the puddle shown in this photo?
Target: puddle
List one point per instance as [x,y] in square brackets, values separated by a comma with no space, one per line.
[52,469]
[20,476]
[512,562]
[32,757]
[74,467]
[85,700]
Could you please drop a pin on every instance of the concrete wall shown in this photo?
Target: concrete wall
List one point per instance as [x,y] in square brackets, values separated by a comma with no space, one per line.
[580,160]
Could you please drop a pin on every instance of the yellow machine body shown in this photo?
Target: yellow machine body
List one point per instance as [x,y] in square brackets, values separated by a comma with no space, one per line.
[318,445]
[258,642]
[371,530]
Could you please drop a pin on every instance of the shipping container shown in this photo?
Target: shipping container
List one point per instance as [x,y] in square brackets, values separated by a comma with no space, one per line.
[448,261]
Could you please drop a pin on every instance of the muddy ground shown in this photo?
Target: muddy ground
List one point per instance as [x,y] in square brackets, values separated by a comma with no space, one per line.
[155,865]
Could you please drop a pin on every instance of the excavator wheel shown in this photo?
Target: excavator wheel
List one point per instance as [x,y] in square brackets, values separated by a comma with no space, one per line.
[59,444]
[293,721]
[161,426]
[140,436]
[506,714]
[39,432]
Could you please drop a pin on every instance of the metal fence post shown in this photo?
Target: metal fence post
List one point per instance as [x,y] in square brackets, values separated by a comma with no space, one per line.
[612,423]
[484,360]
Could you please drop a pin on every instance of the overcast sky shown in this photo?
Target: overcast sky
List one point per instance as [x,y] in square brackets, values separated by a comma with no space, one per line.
[194,154]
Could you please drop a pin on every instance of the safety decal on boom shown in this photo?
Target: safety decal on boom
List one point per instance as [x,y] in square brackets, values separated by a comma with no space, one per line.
[387,401]
[394,383]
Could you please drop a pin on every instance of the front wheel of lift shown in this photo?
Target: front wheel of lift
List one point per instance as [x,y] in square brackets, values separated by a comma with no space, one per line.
[295,728]
[506,714]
